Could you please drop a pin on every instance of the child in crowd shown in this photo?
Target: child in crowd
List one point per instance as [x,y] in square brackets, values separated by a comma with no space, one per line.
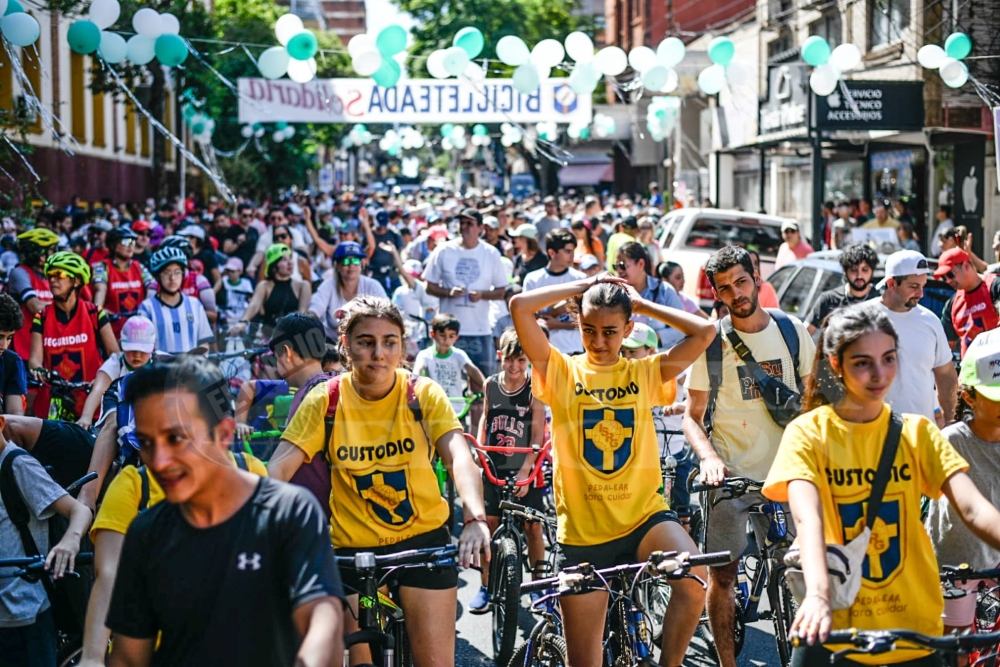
[138,342]
[331,361]
[446,364]
[512,417]
[234,290]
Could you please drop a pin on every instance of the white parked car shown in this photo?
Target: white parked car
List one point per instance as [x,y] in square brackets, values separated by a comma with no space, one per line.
[688,236]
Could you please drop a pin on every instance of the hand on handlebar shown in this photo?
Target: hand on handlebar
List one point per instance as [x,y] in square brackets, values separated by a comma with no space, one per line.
[39,374]
[474,545]
[813,619]
[521,491]
[62,557]
[713,471]
[244,431]
[236,329]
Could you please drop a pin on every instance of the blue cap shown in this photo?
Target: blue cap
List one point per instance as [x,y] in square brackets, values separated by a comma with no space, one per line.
[381,219]
[348,249]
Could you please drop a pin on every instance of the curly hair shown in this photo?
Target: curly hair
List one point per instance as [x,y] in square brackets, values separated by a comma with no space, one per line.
[11,317]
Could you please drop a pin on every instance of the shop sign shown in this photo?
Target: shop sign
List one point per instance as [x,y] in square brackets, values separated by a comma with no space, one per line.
[872,105]
[970,162]
[787,104]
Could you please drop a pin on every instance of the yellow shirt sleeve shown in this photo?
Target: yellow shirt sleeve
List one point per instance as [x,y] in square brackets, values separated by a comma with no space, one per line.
[556,372]
[121,502]
[438,416]
[307,427]
[938,459]
[795,460]
[663,393]
[255,465]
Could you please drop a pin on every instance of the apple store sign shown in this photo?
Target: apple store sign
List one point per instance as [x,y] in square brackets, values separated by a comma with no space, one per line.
[872,105]
[970,160]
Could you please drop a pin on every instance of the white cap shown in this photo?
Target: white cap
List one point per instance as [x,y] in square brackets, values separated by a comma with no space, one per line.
[904,263]
[193,231]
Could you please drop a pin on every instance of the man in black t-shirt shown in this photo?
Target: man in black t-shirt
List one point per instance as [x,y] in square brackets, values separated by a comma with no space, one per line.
[382,264]
[241,240]
[858,262]
[233,569]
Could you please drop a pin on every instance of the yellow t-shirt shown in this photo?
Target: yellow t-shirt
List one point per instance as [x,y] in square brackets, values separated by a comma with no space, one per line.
[121,500]
[899,586]
[384,486]
[605,454]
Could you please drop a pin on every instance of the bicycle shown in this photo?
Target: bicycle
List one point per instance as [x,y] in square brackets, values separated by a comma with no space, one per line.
[627,637]
[987,618]
[876,642]
[380,618]
[760,566]
[240,363]
[446,485]
[62,402]
[507,545]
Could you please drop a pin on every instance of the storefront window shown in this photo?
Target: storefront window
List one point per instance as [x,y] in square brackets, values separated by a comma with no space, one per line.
[844,181]
[892,174]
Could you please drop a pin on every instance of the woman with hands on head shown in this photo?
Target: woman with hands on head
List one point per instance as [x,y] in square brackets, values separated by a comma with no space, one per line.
[603,431]
[376,431]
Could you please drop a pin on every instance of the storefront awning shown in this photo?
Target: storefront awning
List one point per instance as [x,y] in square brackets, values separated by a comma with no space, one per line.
[586,174]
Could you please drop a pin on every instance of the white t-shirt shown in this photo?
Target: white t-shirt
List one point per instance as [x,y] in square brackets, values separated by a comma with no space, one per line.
[477,270]
[237,297]
[922,347]
[327,301]
[564,340]
[744,435]
[114,366]
[448,371]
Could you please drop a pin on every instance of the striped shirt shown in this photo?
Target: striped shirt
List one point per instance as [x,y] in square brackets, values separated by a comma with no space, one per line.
[181,328]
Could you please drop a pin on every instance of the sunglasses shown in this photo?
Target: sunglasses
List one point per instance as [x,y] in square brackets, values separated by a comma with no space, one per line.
[281,237]
[788,231]
[621,266]
[58,273]
[351,261]
[126,242]
[146,234]
[246,215]
[950,275]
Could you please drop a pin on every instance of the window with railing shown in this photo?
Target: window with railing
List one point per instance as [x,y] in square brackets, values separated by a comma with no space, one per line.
[886,21]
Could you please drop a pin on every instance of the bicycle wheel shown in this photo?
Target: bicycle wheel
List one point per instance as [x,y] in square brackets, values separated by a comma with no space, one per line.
[654,596]
[783,610]
[506,598]
[547,650]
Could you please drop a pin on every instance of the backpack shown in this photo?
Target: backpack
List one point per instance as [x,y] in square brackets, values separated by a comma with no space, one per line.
[241,463]
[713,358]
[67,596]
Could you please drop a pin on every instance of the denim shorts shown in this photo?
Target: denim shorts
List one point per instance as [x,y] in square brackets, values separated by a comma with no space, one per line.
[481,352]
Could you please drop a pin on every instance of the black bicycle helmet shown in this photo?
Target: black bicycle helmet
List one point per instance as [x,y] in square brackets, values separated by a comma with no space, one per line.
[182,243]
[164,256]
[117,235]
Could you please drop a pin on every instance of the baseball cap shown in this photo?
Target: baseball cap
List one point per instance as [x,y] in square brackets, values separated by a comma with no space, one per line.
[491,221]
[139,335]
[437,232]
[949,259]
[981,370]
[642,336]
[790,224]
[193,231]
[234,264]
[141,226]
[381,219]
[630,222]
[904,263]
[528,231]
[588,262]
[294,209]
[472,214]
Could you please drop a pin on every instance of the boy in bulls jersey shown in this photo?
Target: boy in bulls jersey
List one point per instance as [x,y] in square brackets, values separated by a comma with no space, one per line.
[120,281]
[512,417]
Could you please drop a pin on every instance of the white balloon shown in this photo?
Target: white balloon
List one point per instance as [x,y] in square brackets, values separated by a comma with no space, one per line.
[278,136]
[712,79]
[547,54]
[823,79]
[670,51]
[103,13]
[20,29]
[655,77]
[302,71]
[169,24]
[579,47]
[526,79]
[146,22]
[642,58]
[246,131]
[259,133]
[931,56]
[474,72]
[446,144]
[954,73]
[140,49]
[512,50]
[435,65]
[360,43]
[367,62]
[273,63]
[845,57]
[611,61]
[456,59]
[672,82]
[287,27]
[459,131]
[737,73]
[112,47]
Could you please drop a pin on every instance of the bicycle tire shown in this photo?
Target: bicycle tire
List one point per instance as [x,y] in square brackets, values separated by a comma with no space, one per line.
[548,650]
[654,596]
[506,598]
[68,656]
[739,629]
[401,638]
[783,610]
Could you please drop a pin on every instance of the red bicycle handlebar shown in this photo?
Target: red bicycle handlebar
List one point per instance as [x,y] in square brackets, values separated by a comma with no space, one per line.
[483,450]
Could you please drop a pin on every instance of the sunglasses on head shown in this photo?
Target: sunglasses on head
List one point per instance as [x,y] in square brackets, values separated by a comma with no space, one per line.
[350,261]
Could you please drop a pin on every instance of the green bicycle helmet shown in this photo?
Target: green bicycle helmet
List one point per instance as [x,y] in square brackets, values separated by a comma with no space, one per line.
[71,263]
[274,254]
[34,243]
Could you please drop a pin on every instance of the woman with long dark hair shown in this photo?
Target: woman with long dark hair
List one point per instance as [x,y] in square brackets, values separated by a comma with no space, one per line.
[586,242]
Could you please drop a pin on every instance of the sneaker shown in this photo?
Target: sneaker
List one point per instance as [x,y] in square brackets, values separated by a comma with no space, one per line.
[481,603]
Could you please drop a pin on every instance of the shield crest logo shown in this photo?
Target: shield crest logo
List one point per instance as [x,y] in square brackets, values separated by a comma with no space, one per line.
[388,496]
[883,558]
[69,364]
[607,438]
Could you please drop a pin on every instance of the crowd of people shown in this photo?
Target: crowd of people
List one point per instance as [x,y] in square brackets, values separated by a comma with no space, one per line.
[571,320]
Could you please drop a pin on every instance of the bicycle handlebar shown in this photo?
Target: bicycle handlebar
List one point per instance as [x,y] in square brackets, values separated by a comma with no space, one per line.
[80,483]
[483,450]
[52,379]
[248,352]
[964,573]
[430,557]
[34,566]
[529,513]
[883,641]
[732,487]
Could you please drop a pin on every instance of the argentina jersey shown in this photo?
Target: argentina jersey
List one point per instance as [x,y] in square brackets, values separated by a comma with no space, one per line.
[179,328]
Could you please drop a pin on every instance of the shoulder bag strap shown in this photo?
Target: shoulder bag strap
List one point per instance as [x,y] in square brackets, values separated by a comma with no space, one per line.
[791,337]
[884,467]
[739,346]
[713,359]
[144,492]
[14,503]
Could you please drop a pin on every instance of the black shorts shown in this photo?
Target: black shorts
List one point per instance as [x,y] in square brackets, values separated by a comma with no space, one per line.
[622,551]
[64,449]
[416,577]
[491,494]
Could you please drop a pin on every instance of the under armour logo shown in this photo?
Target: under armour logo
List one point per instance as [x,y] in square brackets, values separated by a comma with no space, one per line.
[243,561]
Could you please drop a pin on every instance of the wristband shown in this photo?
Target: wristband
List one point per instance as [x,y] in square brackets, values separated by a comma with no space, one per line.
[475,519]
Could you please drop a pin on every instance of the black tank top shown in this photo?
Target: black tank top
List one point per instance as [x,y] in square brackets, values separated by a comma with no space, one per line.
[280,302]
[508,423]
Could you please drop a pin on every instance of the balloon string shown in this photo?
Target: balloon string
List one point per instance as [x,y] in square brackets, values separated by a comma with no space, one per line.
[17,152]
[48,120]
[178,144]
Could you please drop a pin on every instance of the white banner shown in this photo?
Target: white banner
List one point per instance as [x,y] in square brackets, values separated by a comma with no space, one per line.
[411,101]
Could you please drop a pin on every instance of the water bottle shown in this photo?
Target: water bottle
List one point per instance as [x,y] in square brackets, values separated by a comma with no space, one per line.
[641,633]
[669,475]
[741,579]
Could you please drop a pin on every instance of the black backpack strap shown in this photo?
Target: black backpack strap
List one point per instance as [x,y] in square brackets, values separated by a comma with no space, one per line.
[884,467]
[144,493]
[241,461]
[713,359]
[791,337]
[14,503]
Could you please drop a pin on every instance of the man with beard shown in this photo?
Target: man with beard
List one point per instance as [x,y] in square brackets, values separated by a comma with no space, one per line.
[744,437]
[858,262]
[923,345]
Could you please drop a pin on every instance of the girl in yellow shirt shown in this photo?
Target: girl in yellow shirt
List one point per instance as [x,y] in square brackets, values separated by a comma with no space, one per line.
[824,468]
[604,448]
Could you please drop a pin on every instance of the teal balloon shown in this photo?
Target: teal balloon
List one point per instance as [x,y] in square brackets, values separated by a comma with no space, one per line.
[83,37]
[13,7]
[112,48]
[303,46]
[390,41]
[479,130]
[958,45]
[815,51]
[170,50]
[388,74]
[360,127]
[280,125]
[189,111]
[447,129]
[198,127]
[469,40]
[721,51]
